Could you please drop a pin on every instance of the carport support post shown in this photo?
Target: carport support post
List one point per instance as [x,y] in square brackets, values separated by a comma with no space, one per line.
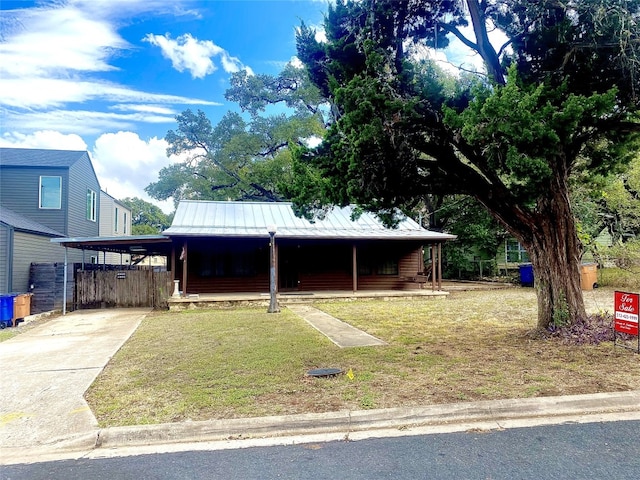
[64,284]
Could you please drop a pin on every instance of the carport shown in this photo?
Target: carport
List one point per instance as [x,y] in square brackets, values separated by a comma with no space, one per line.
[141,245]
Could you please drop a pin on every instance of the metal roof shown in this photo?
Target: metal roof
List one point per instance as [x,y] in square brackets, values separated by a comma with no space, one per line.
[253,219]
[22,224]
[38,157]
[133,244]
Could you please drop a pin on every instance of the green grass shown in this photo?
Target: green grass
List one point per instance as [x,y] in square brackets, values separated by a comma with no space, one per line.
[201,365]
[619,278]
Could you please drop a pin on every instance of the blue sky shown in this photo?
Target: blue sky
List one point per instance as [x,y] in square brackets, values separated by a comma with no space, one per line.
[109,76]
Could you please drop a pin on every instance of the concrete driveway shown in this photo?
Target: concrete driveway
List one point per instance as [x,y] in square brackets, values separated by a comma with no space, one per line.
[47,369]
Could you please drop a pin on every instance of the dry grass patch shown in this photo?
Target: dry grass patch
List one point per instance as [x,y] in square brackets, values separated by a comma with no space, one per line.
[241,363]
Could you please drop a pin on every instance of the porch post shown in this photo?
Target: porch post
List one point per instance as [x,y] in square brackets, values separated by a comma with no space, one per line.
[434,270]
[184,268]
[273,277]
[173,261]
[355,267]
[440,266]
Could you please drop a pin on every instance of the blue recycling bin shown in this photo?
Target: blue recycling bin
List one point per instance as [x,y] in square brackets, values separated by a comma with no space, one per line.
[6,311]
[526,275]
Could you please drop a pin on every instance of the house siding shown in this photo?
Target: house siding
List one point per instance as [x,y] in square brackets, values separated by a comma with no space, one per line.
[81,179]
[302,266]
[29,248]
[19,192]
[6,236]
[107,216]
[109,208]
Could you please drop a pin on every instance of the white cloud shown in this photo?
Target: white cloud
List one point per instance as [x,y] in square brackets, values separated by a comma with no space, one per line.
[195,56]
[50,56]
[43,139]
[42,41]
[295,62]
[83,122]
[126,164]
[158,109]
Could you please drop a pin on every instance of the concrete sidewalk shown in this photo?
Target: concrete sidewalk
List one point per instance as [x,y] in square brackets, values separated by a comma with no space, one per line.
[47,369]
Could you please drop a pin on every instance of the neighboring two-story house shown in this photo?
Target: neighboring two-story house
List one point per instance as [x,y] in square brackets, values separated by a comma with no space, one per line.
[43,193]
[115,221]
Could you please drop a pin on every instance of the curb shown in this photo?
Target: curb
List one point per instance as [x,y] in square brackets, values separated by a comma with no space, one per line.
[342,425]
[367,420]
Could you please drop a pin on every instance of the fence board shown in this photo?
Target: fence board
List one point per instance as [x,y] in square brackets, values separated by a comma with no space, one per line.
[124,288]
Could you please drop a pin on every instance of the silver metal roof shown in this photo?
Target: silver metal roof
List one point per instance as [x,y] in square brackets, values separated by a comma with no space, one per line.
[253,219]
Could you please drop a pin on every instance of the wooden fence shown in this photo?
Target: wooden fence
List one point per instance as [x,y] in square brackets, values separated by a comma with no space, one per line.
[123,288]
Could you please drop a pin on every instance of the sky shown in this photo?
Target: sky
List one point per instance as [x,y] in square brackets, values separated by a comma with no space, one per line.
[109,76]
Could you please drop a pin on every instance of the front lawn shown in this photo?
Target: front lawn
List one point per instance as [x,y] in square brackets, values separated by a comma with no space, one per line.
[478,345]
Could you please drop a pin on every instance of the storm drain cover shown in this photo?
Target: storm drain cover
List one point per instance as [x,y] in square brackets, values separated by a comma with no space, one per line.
[324,372]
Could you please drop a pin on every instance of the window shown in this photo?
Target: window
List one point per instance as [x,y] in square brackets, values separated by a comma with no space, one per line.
[50,192]
[124,224]
[388,267]
[92,205]
[115,226]
[515,253]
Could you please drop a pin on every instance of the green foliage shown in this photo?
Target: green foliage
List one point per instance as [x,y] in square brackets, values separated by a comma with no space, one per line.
[240,158]
[562,103]
[146,218]
[610,202]
[479,237]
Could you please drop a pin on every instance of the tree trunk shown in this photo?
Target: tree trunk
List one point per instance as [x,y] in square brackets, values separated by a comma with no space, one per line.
[555,252]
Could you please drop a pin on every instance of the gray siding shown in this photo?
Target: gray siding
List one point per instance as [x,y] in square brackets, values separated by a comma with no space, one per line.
[81,178]
[5,239]
[107,216]
[29,248]
[19,191]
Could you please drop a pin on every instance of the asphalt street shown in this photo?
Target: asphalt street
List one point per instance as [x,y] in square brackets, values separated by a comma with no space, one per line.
[608,450]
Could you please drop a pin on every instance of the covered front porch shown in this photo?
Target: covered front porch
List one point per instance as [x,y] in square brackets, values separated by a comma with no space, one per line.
[226,300]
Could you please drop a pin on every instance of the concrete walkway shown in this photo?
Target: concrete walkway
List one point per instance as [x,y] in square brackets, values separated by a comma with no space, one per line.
[339,332]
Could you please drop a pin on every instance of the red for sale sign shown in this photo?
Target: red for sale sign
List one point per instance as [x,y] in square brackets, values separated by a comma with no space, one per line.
[626,312]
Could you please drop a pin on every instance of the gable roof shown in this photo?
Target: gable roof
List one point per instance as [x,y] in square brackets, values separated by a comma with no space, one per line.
[37,157]
[253,219]
[22,224]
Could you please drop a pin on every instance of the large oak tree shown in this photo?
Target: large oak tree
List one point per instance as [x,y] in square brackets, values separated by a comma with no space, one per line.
[558,98]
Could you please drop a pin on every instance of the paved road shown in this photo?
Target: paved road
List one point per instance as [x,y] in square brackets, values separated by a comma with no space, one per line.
[607,450]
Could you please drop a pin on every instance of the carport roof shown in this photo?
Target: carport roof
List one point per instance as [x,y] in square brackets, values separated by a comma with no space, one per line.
[133,244]
[254,219]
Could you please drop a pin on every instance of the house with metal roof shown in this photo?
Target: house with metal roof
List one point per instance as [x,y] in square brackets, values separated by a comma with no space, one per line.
[224,247]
